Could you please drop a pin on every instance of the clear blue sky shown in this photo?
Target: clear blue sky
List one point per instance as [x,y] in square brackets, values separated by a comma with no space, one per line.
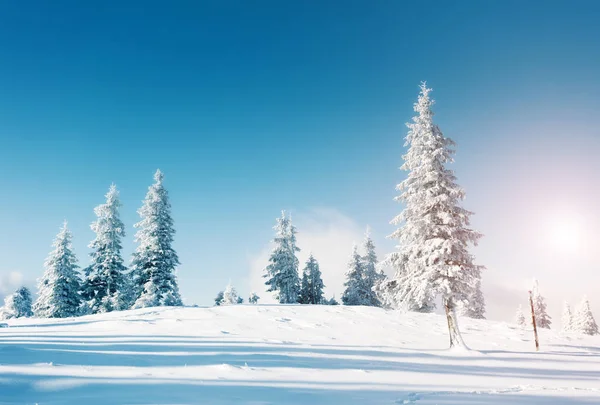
[249,107]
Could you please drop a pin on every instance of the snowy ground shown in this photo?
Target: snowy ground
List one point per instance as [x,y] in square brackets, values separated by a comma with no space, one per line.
[265,354]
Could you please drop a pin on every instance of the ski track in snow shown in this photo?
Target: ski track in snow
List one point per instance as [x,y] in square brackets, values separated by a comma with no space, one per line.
[290,354]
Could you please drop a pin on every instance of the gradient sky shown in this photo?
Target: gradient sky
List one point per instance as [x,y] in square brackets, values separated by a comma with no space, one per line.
[253,107]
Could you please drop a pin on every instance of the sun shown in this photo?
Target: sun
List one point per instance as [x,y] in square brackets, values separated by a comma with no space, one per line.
[565,235]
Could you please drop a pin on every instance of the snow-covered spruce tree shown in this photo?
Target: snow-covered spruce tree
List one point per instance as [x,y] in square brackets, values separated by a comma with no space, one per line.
[474,306]
[18,304]
[584,321]
[567,318]
[434,235]
[253,299]
[311,291]
[331,301]
[58,289]
[230,296]
[372,278]
[104,284]
[355,292]
[219,298]
[520,317]
[154,261]
[542,319]
[282,271]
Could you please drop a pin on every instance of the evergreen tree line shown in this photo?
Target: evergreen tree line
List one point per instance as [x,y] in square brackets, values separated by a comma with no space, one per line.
[582,321]
[283,279]
[107,284]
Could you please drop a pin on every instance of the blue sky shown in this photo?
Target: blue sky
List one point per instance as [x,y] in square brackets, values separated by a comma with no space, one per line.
[253,107]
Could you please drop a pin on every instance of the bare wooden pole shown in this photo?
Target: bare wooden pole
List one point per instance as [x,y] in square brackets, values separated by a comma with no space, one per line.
[537,343]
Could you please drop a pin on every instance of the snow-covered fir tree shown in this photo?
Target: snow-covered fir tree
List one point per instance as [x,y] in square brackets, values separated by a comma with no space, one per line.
[584,321]
[331,301]
[542,319]
[230,295]
[474,306]
[567,318]
[520,317]
[311,291]
[282,271]
[154,261]
[17,304]
[58,289]
[219,298]
[253,299]
[372,278]
[104,286]
[432,257]
[355,292]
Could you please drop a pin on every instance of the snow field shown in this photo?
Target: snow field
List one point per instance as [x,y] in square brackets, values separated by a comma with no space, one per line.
[289,354]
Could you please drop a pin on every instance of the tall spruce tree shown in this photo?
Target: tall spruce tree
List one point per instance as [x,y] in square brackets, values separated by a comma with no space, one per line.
[104,286]
[154,260]
[584,321]
[58,289]
[311,291]
[542,319]
[372,278]
[432,257]
[567,318]
[355,292]
[17,304]
[282,271]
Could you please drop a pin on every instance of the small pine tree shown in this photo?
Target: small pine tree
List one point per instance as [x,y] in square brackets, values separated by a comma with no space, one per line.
[58,289]
[520,317]
[474,306]
[355,292]
[282,271]
[584,321]
[104,287]
[542,319]
[567,318]
[332,301]
[230,296]
[219,298]
[372,278]
[311,291]
[253,299]
[154,261]
[18,304]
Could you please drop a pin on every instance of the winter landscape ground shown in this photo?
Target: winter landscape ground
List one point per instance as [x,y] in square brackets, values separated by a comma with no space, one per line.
[289,354]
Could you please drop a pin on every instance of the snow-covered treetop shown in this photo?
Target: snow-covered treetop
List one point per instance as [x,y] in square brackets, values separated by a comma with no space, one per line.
[108,226]
[159,176]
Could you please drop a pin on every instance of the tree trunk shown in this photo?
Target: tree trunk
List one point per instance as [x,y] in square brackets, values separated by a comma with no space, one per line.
[456,339]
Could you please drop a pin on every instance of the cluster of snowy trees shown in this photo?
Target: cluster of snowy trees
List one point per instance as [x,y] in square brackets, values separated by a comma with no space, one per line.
[107,284]
[581,322]
[282,272]
[362,276]
[230,297]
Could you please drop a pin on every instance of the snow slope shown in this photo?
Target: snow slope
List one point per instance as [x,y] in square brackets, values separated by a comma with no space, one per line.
[273,354]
